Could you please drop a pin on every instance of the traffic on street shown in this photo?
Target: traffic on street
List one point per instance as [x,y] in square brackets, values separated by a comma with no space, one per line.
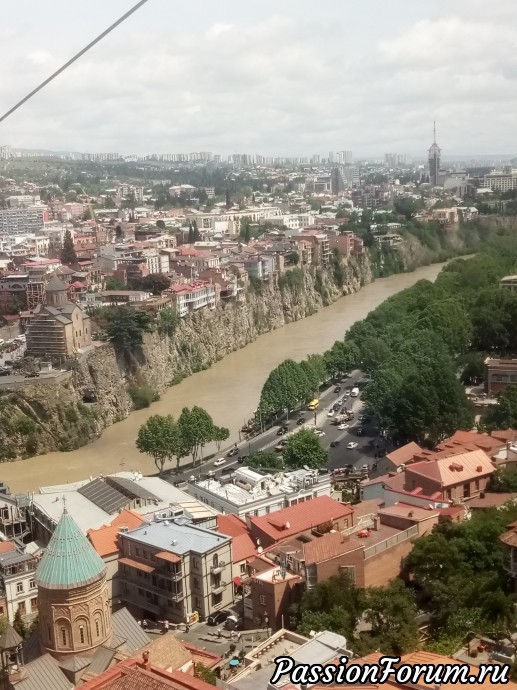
[353,444]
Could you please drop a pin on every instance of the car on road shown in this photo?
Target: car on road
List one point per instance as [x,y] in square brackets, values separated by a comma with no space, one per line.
[280,446]
[336,406]
[300,421]
[337,389]
[352,445]
[319,432]
[219,462]
[347,394]
[359,431]
[364,419]
[354,392]
[233,622]
[233,451]
[365,468]
[210,474]
[242,459]
[282,430]
[218,618]
[334,444]
[228,470]
[331,413]
[32,375]
[342,427]
[340,401]
[4,372]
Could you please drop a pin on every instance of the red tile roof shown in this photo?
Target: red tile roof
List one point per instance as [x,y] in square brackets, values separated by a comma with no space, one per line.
[452,470]
[330,546]
[133,675]
[104,539]
[298,518]
[231,525]
[405,454]
[7,546]
[243,547]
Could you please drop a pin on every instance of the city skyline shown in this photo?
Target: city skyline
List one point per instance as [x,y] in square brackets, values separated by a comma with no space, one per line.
[291,82]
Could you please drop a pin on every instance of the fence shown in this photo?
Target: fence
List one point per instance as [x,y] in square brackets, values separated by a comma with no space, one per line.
[391,541]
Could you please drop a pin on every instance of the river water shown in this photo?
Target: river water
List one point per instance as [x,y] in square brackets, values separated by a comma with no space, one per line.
[229,391]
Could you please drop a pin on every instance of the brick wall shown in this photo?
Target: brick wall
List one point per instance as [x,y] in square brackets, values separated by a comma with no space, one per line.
[380,569]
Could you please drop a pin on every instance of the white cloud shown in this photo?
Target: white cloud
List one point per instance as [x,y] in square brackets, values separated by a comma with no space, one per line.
[289,81]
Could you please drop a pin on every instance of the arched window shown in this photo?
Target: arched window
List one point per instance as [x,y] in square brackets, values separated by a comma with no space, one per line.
[97,627]
[81,634]
[63,637]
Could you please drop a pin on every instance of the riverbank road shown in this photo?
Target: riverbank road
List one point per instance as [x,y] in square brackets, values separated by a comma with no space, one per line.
[334,440]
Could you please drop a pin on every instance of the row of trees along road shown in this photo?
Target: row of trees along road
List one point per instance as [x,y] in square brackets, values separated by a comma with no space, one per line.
[164,438]
[292,383]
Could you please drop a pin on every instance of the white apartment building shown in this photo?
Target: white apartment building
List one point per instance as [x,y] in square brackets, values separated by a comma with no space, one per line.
[23,200]
[256,494]
[133,192]
[294,221]
[20,221]
[189,297]
[55,233]
[229,221]
[172,570]
[499,182]
[17,576]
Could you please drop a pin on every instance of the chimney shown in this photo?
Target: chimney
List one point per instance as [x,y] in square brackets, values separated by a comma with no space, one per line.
[376,524]
[145,657]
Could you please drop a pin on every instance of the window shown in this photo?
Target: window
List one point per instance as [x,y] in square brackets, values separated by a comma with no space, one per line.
[21,608]
[243,568]
[63,637]
[97,627]
[195,563]
[195,583]
[34,604]
[477,484]
[263,600]
[137,551]
[49,633]
[215,560]
[350,571]
[145,555]
[81,634]
[32,584]
[217,599]
[19,587]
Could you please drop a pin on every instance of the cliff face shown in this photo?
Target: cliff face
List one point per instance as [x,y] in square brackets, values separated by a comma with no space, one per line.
[73,410]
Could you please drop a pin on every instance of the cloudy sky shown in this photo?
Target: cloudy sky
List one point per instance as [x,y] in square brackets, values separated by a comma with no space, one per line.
[294,77]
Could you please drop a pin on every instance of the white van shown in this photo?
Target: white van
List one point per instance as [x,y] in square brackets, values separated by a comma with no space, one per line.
[355,392]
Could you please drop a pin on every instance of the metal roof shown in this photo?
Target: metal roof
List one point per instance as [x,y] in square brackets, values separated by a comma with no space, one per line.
[10,638]
[44,674]
[125,627]
[104,496]
[178,536]
[130,488]
[70,560]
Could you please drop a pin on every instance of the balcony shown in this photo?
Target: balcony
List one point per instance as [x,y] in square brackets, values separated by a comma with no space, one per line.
[218,587]
[218,567]
[148,587]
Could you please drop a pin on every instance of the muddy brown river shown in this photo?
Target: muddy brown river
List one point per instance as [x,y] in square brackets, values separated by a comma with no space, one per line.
[230,390]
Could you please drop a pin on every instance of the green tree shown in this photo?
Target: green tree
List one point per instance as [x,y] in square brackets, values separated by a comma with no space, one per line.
[206,674]
[261,459]
[68,255]
[304,449]
[196,429]
[19,624]
[391,611]
[221,434]
[408,207]
[160,224]
[196,235]
[504,480]
[503,415]
[168,321]
[293,258]
[190,233]
[125,327]
[160,438]
[155,283]
[115,284]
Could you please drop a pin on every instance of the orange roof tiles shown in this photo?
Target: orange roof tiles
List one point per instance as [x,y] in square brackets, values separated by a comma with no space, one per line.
[455,469]
[7,546]
[231,525]
[243,547]
[298,518]
[104,539]
[405,454]
[330,546]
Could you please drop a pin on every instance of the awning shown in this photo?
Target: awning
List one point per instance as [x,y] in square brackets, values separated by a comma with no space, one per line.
[136,564]
[168,556]
[237,581]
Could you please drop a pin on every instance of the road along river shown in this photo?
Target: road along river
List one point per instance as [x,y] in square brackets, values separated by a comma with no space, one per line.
[230,390]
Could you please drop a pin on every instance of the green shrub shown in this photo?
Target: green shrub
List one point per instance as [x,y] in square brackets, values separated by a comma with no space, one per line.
[142,396]
[25,426]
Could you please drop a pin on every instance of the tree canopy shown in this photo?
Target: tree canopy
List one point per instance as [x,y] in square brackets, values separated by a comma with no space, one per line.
[303,449]
[68,255]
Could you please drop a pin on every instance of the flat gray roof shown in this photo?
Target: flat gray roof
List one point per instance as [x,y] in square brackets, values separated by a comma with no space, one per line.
[178,536]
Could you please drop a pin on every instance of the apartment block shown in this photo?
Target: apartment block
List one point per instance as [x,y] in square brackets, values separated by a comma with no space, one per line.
[17,571]
[499,373]
[174,570]
[252,493]
[191,297]
[20,221]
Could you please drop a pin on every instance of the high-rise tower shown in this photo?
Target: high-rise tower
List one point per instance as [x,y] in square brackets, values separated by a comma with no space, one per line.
[435,154]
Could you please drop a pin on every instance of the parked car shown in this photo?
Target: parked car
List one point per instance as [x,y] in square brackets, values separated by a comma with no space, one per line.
[280,446]
[300,421]
[364,418]
[342,427]
[283,430]
[359,431]
[232,622]
[352,445]
[331,413]
[337,389]
[219,462]
[227,470]
[32,375]
[319,432]
[210,474]
[341,400]
[218,618]
[334,444]
[242,459]
[347,394]
[4,372]
[233,451]
[365,468]
[336,406]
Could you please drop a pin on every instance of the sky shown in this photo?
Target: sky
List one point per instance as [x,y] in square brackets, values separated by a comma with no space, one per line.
[289,78]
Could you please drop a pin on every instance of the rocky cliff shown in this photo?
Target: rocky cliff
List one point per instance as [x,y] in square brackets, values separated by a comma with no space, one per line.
[72,410]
